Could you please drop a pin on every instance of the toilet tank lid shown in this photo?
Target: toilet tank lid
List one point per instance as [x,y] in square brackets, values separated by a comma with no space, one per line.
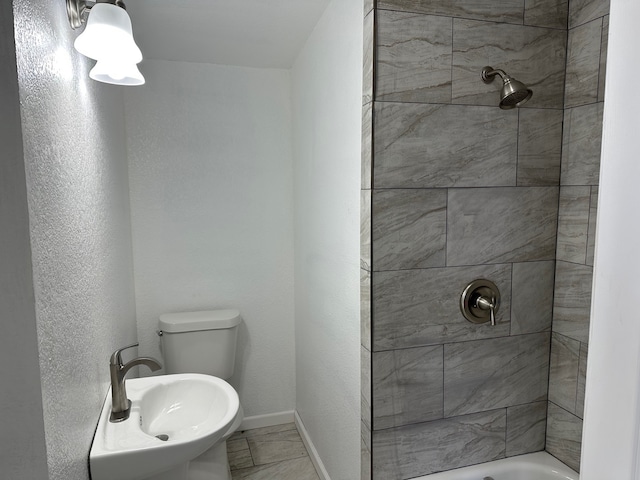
[196,321]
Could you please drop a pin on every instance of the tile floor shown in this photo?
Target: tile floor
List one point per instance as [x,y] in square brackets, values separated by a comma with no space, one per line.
[269,453]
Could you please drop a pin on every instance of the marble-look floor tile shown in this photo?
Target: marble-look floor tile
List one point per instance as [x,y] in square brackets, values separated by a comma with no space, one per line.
[408,228]
[582,379]
[296,469]
[365,308]
[365,454]
[365,229]
[494,225]
[582,141]
[495,373]
[546,13]
[367,139]
[533,55]
[365,387]
[526,428]
[563,371]
[572,300]
[423,146]
[276,447]
[510,11]
[583,11]
[532,297]
[422,307]
[413,57]
[573,223]
[424,448]
[539,146]
[583,64]
[240,459]
[407,386]
[564,436]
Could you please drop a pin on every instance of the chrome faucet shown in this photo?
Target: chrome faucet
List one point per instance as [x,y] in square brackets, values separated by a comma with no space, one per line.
[120,404]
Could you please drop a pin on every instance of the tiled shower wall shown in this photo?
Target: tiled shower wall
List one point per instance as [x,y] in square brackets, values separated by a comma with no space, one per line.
[456,189]
[584,97]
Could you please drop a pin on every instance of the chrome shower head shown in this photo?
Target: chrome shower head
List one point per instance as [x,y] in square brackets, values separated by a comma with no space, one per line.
[513,93]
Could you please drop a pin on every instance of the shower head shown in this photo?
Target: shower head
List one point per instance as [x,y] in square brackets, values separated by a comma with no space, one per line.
[513,93]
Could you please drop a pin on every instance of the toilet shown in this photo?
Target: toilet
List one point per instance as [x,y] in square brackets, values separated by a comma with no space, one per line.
[203,342]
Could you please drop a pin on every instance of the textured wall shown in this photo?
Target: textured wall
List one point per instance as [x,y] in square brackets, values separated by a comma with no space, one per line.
[211,184]
[584,105]
[74,149]
[23,453]
[327,84]
[460,190]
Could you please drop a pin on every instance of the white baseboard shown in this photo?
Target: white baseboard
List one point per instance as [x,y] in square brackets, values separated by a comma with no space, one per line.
[313,453]
[268,420]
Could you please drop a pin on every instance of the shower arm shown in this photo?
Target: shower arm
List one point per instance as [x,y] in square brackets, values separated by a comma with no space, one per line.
[489,74]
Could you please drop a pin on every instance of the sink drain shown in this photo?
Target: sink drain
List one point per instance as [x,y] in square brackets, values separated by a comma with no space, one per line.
[163,437]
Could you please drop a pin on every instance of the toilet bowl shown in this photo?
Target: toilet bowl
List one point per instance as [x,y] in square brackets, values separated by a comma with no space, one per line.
[202,342]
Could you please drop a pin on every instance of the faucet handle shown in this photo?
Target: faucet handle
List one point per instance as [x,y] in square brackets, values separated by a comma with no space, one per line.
[116,357]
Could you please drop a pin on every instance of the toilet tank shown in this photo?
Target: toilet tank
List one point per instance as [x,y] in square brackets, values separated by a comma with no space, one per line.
[200,342]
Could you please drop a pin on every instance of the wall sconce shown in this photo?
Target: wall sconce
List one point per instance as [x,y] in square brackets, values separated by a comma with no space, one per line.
[108,39]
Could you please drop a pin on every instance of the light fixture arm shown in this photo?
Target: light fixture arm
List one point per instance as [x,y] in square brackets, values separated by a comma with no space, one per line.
[78,10]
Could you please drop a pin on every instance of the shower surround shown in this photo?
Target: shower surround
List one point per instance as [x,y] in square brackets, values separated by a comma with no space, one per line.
[455,189]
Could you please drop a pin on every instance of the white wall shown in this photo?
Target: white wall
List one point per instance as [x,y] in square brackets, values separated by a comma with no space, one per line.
[23,453]
[610,445]
[327,92]
[74,151]
[211,200]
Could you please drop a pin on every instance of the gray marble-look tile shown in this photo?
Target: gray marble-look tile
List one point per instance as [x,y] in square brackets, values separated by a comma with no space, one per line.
[365,308]
[573,223]
[368,6]
[237,444]
[495,373]
[365,387]
[563,371]
[533,55]
[532,297]
[509,11]
[408,229]
[526,428]
[240,459]
[365,229]
[424,448]
[365,453]
[422,307]
[422,146]
[276,447]
[368,58]
[582,141]
[539,146]
[407,386]
[582,379]
[546,13]
[583,64]
[259,432]
[583,11]
[367,140]
[413,57]
[593,217]
[296,469]
[572,300]
[494,225]
[564,436]
[604,47]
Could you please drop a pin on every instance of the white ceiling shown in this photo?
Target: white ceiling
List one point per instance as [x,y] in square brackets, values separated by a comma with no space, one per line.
[253,33]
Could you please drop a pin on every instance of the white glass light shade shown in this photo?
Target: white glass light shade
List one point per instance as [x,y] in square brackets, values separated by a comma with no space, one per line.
[117,73]
[108,35]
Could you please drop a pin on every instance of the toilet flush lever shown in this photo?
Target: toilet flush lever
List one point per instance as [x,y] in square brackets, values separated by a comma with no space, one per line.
[480,301]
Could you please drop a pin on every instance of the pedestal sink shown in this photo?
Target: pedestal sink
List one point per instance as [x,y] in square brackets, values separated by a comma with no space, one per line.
[174,418]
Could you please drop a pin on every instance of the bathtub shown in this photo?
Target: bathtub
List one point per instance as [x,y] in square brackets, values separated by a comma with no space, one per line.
[533,466]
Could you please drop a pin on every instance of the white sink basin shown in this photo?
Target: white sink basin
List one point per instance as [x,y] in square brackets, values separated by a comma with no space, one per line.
[174,418]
